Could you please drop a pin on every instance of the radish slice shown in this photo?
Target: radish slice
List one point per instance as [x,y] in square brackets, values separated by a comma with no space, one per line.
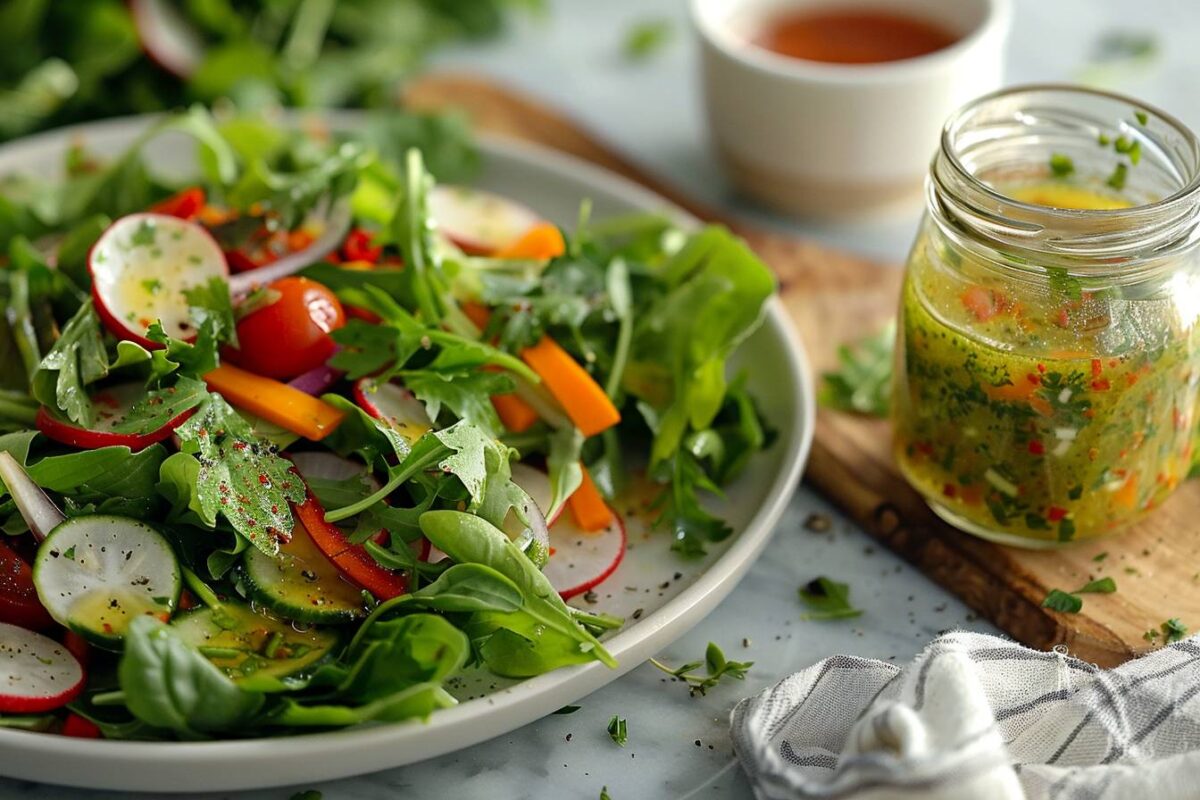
[38,510]
[36,673]
[113,404]
[395,405]
[166,37]
[581,560]
[337,223]
[536,484]
[479,222]
[98,573]
[141,267]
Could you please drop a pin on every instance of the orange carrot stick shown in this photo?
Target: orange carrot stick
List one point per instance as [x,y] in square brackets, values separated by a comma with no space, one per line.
[542,241]
[517,415]
[580,396]
[477,312]
[275,402]
[587,505]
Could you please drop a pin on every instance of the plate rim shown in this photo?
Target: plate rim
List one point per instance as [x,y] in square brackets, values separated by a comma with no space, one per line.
[113,764]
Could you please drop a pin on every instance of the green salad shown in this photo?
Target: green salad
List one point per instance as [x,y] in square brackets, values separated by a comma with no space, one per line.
[289,442]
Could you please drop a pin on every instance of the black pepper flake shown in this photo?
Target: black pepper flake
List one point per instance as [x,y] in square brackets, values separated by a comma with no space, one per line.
[818,523]
[591,597]
[637,614]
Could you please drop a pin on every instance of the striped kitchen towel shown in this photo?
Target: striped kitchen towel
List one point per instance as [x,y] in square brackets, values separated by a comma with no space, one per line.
[977,716]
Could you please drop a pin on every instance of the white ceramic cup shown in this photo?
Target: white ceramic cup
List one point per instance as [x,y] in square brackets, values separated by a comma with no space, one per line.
[818,139]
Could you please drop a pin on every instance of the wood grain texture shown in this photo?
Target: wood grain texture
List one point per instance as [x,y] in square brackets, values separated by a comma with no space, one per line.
[834,297]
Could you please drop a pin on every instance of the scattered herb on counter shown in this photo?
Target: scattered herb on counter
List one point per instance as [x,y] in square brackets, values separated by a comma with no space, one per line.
[1061,165]
[1067,603]
[716,667]
[1173,630]
[863,382]
[646,38]
[1100,557]
[568,710]
[828,599]
[1098,586]
[604,795]
[618,730]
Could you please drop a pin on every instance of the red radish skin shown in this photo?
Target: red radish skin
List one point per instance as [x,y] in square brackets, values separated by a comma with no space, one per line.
[68,433]
[37,674]
[136,280]
[80,728]
[479,223]
[580,561]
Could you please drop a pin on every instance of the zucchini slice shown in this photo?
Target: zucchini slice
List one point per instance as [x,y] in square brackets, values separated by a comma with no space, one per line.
[247,644]
[300,583]
[96,574]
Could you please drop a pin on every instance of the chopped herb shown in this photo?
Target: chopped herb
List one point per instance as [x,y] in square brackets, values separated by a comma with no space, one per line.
[1103,140]
[1061,165]
[1173,630]
[716,667]
[143,236]
[152,285]
[646,38]
[1098,586]
[69,553]
[863,383]
[828,599]
[1151,635]
[1142,117]
[1100,556]
[1059,600]
[604,795]
[568,710]
[1118,177]
[617,730]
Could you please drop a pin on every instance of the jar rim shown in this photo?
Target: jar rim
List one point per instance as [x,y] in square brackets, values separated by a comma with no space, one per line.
[1189,191]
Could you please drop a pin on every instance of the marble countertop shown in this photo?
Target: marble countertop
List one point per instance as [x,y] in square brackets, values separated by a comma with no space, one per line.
[678,745]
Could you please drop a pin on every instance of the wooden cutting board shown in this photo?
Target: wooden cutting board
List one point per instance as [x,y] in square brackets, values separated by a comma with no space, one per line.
[835,297]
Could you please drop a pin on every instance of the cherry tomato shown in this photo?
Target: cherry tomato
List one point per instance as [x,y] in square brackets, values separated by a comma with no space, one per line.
[185,204]
[357,247]
[19,604]
[291,335]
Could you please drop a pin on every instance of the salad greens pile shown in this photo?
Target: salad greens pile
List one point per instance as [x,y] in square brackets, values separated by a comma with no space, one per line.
[88,59]
[300,516]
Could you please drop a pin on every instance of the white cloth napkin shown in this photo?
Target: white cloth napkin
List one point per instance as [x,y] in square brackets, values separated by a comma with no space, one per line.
[977,716]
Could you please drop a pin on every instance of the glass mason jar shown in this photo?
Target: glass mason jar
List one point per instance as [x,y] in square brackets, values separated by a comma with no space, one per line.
[1048,352]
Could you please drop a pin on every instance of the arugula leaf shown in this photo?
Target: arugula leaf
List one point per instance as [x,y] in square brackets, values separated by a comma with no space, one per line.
[679,510]
[240,476]
[77,360]
[291,196]
[828,599]
[412,230]
[466,393]
[863,384]
[372,440]
[541,636]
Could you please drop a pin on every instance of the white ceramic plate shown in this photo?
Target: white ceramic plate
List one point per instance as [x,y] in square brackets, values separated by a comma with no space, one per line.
[661,595]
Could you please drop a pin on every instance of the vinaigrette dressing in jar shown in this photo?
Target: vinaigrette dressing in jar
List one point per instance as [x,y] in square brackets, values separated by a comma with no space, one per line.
[1048,353]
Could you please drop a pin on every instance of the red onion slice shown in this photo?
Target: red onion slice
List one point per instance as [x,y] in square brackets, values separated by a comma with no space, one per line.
[38,510]
[337,224]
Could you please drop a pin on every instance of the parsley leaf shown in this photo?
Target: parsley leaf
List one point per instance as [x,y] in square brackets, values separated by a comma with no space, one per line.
[618,730]
[161,406]
[828,599]
[1098,586]
[1061,165]
[863,383]
[1173,630]
[646,38]
[1058,600]
[77,360]
[240,477]
[716,666]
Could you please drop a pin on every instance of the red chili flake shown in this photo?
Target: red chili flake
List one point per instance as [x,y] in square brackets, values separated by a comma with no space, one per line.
[924,447]
[1036,447]
[274,509]
[1101,385]
[263,479]
[239,446]
[1041,367]
[1097,367]
[1131,379]
[1055,513]
[1093,454]
[950,490]
[1064,318]
[1034,379]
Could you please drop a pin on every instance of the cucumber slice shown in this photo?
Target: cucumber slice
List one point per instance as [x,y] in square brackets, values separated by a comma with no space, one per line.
[300,583]
[96,574]
[247,644]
